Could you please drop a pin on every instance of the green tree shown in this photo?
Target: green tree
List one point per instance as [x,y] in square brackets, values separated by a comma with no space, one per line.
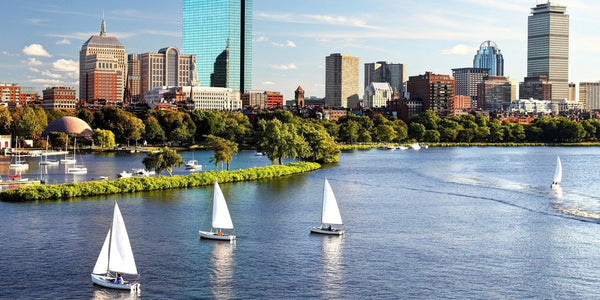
[348,132]
[162,161]
[224,150]
[153,131]
[86,115]
[385,133]
[280,140]
[5,120]
[322,146]
[432,136]
[364,136]
[29,121]
[416,131]
[104,138]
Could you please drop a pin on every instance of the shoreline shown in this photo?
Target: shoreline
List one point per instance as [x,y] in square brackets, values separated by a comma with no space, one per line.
[56,192]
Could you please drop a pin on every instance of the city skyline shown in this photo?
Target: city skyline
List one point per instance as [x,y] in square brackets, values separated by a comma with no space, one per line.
[291,40]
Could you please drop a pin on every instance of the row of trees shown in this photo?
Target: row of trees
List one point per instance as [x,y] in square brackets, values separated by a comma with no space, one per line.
[281,135]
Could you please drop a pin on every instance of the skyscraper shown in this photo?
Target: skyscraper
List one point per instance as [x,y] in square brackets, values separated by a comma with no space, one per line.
[548,47]
[219,33]
[467,80]
[489,57]
[102,68]
[341,80]
[394,74]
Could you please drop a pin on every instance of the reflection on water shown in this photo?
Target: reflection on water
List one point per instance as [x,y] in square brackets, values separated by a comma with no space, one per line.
[109,294]
[332,274]
[576,204]
[222,261]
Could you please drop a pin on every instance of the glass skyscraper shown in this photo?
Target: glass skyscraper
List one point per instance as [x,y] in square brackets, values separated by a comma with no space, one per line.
[219,33]
[489,57]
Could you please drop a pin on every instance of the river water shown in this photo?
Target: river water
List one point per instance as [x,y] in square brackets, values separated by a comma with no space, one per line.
[436,223]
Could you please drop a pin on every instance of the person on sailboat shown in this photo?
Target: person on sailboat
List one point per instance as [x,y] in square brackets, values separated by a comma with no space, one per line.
[119,279]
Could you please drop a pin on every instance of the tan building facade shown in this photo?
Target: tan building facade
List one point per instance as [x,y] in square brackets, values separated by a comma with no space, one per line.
[341,80]
[59,98]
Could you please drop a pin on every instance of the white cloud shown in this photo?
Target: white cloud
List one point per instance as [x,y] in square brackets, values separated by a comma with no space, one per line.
[34,70]
[32,61]
[36,50]
[51,75]
[35,21]
[65,65]
[268,83]
[64,41]
[284,67]
[46,81]
[460,50]
[261,38]
[287,44]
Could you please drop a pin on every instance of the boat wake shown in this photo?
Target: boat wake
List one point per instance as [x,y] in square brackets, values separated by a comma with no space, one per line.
[578,205]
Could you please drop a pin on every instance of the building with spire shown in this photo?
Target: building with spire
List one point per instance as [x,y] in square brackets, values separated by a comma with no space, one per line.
[102,68]
[489,57]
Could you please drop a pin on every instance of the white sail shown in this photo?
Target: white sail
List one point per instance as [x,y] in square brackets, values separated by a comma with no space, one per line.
[331,212]
[121,257]
[558,171]
[220,214]
[101,266]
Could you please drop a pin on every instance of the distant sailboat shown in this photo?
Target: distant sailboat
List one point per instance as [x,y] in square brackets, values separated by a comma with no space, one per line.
[17,162]
[116,257]
[330,214]
[68,159]
[44,161]
[221,220]
[557,174]
[77,168]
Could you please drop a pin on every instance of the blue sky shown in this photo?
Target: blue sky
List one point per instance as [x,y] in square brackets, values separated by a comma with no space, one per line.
[41,39]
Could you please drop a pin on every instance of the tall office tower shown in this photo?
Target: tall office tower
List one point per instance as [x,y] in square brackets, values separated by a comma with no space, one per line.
[467,80]
[489,57]
[166,68]
[219,33]
[341,80]
[572,91]
[589,95]
[435,91]
[102,68]
[548,47]
[394,74]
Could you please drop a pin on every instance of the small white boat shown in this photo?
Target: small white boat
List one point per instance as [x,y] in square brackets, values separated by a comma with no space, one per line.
[415,146]
[116,257]
[259,154]
[330,215]
[402,147]
[77,169]
[68,160]
[557,174]
[18,163]
[44,161]
[221,220]
[193,165]
[103,177]
[124,174]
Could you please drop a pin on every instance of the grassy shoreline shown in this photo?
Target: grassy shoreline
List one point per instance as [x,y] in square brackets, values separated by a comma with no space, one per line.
[38,192]
[345,147]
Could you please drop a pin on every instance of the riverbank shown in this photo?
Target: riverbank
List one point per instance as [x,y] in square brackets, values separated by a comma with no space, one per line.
[37,192]
[345,147]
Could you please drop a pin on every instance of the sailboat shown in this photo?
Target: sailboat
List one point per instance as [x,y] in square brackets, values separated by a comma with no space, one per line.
[193,165]
[18,162]
[557,174]
[77,168]
[68,159]
[116,257]
[44,161]
[330,215]
[221,220]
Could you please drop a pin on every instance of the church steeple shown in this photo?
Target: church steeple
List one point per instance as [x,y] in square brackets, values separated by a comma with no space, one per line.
[103,28]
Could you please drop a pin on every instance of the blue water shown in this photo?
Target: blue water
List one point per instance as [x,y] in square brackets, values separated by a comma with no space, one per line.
[436,223]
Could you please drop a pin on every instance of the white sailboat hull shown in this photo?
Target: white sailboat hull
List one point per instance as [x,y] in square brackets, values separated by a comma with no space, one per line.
[108,282]
[49,163]
[321,230]
[214,236]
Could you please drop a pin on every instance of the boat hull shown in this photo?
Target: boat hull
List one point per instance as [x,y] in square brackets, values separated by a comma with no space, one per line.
[108,282]
[214,236]
[320,230]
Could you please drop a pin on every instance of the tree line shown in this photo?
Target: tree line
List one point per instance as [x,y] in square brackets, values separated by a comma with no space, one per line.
[281,135]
